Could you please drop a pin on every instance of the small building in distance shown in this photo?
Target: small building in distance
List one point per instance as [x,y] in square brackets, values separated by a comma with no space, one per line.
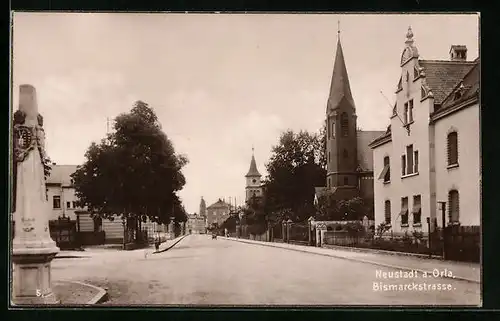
[196,224]
[218,212]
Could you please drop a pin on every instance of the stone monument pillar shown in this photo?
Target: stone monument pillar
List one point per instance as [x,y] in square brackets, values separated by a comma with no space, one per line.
[32,247]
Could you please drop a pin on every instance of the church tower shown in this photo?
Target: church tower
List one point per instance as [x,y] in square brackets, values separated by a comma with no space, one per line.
[341,130]
[203,207]
[253,183]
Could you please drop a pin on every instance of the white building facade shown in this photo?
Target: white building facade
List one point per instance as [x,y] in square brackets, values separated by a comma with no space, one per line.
[430,152]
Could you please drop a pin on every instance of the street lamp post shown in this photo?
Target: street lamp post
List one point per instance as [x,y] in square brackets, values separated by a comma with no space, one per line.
[429,235]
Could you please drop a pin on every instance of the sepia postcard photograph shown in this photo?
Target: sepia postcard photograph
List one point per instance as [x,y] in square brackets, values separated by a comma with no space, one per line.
[245,160]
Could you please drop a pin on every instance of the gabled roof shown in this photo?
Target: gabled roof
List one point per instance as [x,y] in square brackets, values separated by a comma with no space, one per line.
[339,87]
[365,153]
[253,169]
[442,75]
[60,174]
[219,204]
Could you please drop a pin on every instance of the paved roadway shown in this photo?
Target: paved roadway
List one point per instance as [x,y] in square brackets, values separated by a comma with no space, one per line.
[202,271]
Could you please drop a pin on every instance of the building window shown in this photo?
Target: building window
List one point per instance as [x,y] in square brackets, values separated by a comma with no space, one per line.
[404,211]
[56,201]
[422,93]
[68,204]
[452,148]
[344,123]
[453,207]
[74,204]
[407,76]
[387,212]
[417,210]
[405,115]
[345,153]
[403,165]
[386,172]
[409,161]
[332,129]
[346,181]
[328,156]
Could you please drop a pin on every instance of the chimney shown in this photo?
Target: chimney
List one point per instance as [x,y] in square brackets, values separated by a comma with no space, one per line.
[458,53]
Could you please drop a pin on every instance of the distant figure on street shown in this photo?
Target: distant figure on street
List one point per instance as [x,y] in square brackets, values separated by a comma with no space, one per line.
[226,233]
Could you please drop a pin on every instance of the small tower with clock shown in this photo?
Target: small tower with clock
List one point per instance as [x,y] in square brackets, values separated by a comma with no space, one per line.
[253,183]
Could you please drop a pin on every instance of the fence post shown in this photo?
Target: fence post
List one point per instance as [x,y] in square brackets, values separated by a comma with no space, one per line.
[443,218]
[310,225]
[289,227]
[283,230]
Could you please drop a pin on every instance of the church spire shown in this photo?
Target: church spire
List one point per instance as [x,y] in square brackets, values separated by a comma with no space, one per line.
[340,87]
[253,167]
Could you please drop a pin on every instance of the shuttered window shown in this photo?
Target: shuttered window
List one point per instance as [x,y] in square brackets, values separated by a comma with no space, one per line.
[404,211]
[387,169]
[387,212]
[453,206]
[417,210]
[403,165]
[452,148]
[416,161]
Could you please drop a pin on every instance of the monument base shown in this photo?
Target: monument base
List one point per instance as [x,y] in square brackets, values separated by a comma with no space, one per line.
[32,279]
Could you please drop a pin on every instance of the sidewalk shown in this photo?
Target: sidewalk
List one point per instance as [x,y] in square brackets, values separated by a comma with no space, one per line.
[470,272]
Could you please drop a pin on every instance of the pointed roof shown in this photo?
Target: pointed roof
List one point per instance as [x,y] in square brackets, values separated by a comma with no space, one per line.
[340,87]
[253,168]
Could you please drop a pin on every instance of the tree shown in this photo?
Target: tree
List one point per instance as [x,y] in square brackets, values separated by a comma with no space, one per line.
[134,173]
[297,165]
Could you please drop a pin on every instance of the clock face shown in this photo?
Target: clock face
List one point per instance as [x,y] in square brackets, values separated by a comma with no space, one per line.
[254,181]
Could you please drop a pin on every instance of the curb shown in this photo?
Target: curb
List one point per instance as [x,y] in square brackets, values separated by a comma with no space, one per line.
[171,246]
[377,251]
[356,260]
[101,296]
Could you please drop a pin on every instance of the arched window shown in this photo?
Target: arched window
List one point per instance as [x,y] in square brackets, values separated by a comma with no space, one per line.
[453,206]
[345,153]
[387,212]
[453,148]
[387,174]
[344,123]
[332,129]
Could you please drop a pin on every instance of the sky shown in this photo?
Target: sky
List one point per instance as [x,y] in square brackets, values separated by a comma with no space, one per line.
[219,83]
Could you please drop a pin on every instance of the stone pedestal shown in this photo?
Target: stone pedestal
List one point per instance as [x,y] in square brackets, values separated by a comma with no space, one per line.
[32,247]
[32,280]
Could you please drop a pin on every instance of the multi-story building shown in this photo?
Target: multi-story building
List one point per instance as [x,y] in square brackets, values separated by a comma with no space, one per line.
[218,212]
[196,224]
[349,158]
[430,152]
[61,196]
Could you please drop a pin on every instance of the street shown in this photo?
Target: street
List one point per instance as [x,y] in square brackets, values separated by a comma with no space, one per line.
[202,271]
